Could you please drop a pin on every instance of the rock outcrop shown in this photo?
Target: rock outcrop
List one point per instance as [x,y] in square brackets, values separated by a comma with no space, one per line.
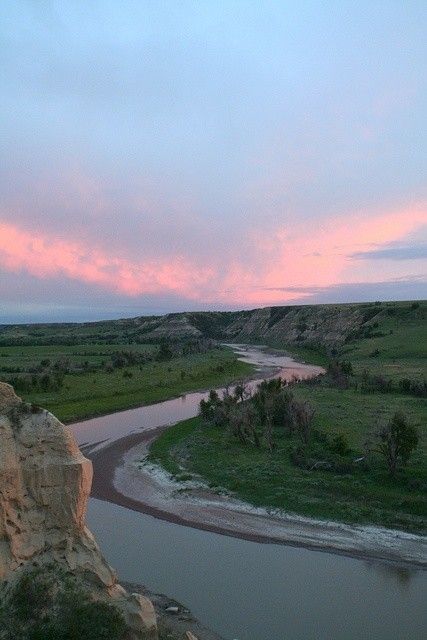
[45,483]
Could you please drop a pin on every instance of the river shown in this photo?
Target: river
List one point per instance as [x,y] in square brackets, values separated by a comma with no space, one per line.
[247,590]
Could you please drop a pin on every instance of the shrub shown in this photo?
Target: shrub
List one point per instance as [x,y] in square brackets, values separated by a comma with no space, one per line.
[346,367]
[416,388]
[375,384]
[303,418]
[165,352]
[395,442]
[338,373]
[46,603]
[339,445]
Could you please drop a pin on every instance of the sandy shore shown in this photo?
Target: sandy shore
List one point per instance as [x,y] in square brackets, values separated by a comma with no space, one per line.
[121,476]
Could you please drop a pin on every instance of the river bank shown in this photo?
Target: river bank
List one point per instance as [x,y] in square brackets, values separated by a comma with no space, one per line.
[121,476]
[93,389]
[173,618]
[298,589]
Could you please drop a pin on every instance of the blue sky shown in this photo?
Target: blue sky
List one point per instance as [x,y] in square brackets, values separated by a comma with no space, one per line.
[162,156]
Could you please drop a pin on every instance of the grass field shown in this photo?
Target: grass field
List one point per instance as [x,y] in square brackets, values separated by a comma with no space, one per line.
[97,392]
[401,350]
[25,357]
[271,480]
[367,495]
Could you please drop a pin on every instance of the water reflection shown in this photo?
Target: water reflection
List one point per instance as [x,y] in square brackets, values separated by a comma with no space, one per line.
[117,425]
[401,575]
[255,591]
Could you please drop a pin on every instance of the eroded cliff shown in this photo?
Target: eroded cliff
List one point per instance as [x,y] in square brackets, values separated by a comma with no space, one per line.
[45,483]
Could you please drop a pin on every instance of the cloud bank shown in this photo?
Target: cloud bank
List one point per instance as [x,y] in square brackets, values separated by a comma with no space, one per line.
[286,264]
[161,156]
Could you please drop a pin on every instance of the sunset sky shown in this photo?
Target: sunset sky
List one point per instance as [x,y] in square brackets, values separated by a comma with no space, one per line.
[172,155]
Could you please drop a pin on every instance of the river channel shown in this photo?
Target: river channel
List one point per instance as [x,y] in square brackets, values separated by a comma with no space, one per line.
[247,590]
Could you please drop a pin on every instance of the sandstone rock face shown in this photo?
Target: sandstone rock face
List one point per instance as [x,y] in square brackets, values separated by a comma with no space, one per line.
[45,483]
[174,326]
[327,325]
[8,397]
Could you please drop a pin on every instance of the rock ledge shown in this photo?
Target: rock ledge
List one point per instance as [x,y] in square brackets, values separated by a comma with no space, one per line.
[45,483]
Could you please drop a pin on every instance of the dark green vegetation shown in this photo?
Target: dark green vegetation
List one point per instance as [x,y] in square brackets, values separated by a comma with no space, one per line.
[84,380]
[375,371]
[319,327]
[292,479]
[48,604]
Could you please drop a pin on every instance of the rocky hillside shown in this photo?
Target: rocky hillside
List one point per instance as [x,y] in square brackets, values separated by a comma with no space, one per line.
[45,483]
[311,326]
[324,326]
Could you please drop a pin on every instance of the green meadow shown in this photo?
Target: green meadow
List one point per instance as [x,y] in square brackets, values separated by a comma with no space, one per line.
[91,390]
[351,407]
[270,479]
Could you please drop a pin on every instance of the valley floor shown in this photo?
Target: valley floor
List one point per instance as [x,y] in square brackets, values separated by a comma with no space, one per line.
[94,393]
[197,477]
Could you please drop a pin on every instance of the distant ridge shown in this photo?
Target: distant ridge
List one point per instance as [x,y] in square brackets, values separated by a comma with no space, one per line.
[314,326]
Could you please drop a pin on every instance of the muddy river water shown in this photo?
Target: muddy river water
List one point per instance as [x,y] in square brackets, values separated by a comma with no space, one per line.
[247,590]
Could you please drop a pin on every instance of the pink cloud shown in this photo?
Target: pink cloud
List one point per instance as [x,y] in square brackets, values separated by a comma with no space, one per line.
[45,257]
[314,254]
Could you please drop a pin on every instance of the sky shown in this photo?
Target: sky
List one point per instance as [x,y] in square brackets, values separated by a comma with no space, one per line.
[175,155]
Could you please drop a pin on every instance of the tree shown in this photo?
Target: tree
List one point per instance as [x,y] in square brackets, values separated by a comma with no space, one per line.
[395,441]
[263,397]
[249,423]
[208,407]
[268,431]
[215,411]
[241,392]
[165,352]
[304,414]
[237,424]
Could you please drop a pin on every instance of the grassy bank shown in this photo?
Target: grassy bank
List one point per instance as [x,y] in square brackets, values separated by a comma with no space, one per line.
[98,391]
[392,344]
[343,407]
[271,480]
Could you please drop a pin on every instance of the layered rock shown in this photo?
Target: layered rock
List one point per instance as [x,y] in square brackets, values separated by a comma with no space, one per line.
[45,483]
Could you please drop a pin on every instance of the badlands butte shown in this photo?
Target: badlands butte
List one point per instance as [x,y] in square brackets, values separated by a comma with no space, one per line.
[45,483]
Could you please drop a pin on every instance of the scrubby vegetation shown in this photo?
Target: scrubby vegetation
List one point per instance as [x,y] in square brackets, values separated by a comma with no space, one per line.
[325,465]
[395,441]
[273,411]
[27,374]
[86,381]
[349,445]
[49,604]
